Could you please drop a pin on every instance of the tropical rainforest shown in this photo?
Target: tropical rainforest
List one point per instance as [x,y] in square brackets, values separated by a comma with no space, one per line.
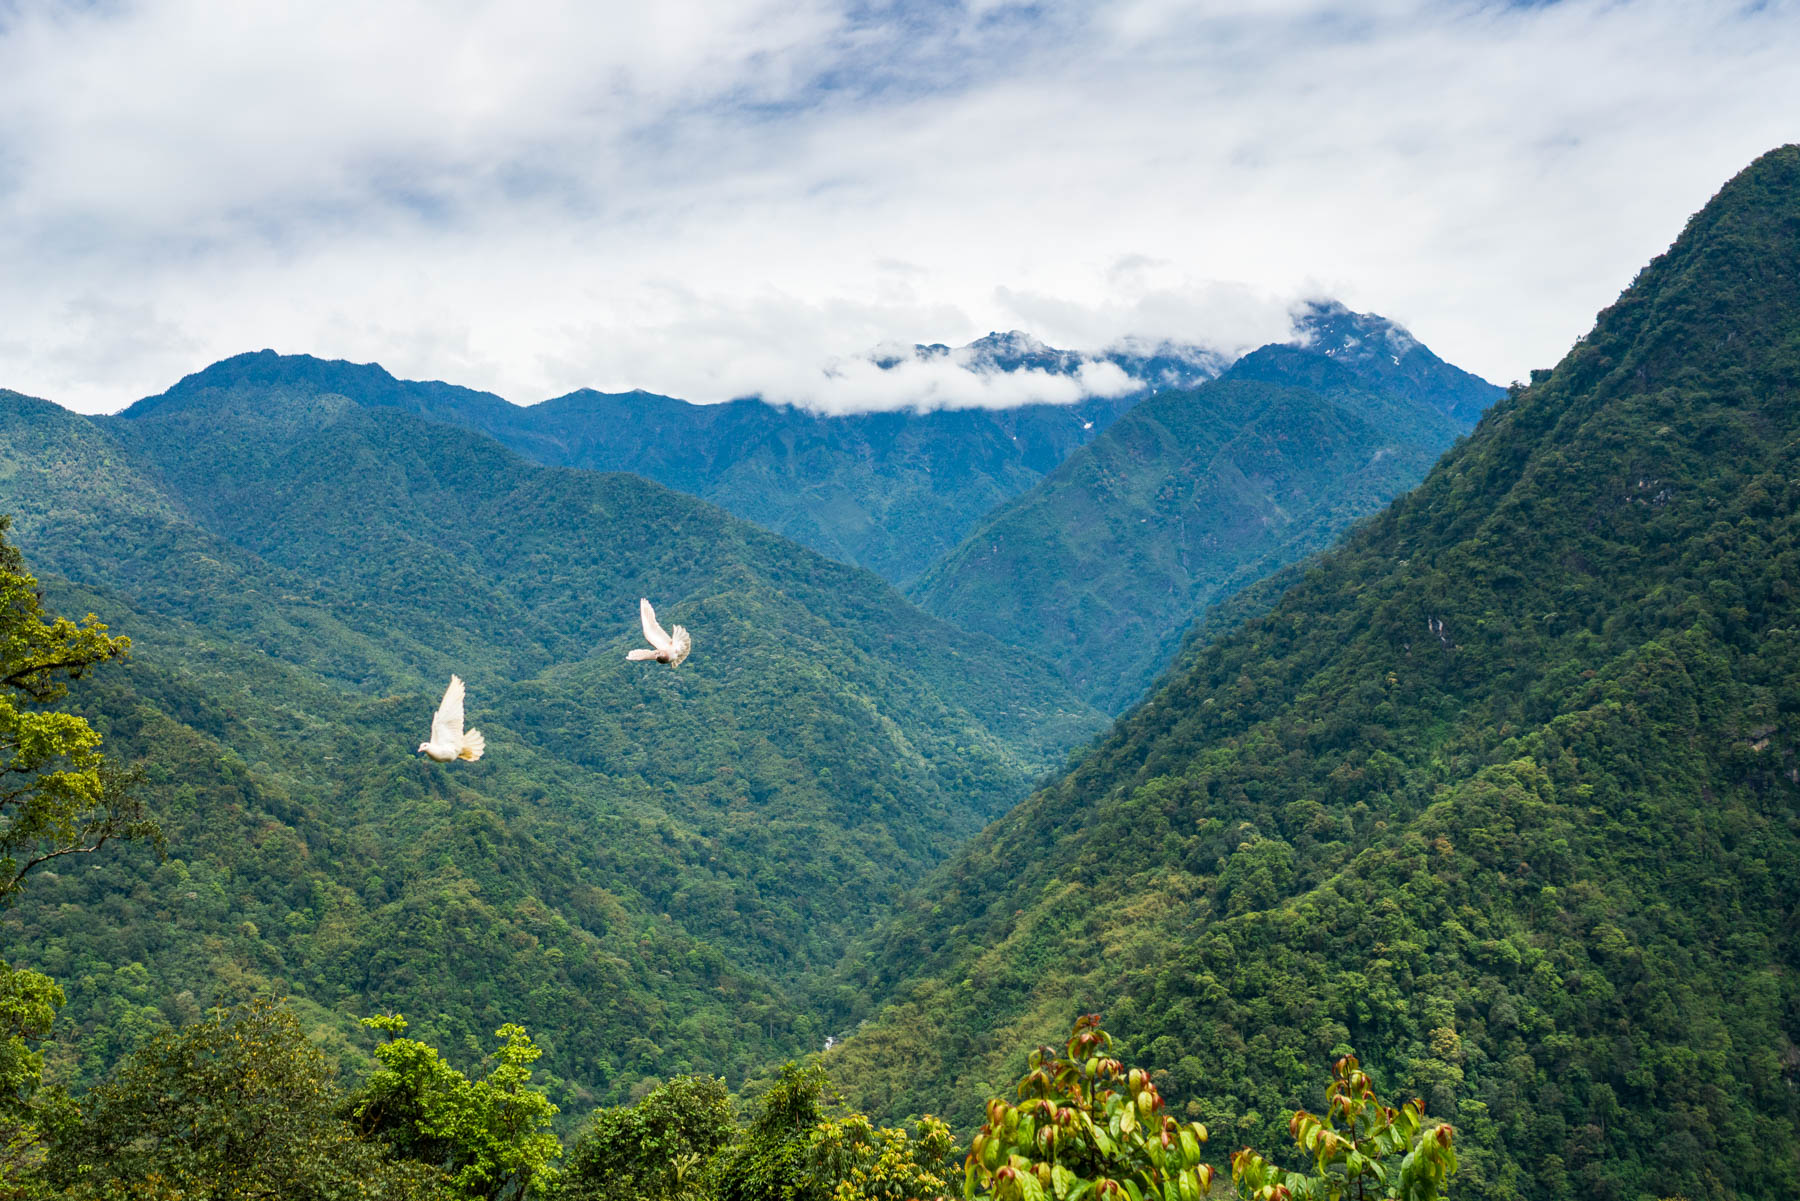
[1459,859]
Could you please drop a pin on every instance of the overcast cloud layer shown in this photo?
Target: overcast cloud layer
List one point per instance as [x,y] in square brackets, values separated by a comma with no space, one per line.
[741,197]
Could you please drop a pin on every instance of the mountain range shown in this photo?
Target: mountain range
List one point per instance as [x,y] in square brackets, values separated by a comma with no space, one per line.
[1196,492]
[301,574]
[1041,525]
[311,547]
[1499,794]
[1499,791]
[889,491]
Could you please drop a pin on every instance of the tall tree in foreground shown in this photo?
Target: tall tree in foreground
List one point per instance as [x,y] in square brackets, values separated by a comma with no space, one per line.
[239,1105]
[59,795]
[491,1137]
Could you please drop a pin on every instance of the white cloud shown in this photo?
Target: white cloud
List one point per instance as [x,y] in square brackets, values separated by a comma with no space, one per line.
[726,198]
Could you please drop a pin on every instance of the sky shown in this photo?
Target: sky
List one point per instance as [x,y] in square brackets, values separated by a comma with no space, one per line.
[744,197]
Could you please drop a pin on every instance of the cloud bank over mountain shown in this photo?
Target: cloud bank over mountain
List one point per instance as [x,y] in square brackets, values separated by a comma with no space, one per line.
[741,198]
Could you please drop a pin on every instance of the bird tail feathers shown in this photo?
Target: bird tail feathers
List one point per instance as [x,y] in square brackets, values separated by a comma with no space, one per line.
[682,645]
[472,746]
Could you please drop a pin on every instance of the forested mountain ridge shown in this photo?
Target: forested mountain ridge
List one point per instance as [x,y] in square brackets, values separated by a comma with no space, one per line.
[1196,492]
[421,522]
[301,574]
[1502,792]
[885,490]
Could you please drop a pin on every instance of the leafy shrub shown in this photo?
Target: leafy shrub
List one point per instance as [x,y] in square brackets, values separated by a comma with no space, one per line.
[655,1150]
[1086,1126]
[1353,1148]
[491,1137]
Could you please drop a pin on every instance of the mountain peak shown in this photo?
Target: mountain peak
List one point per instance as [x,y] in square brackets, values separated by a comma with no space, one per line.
[1380,353]
[996,352]
[1714,299]
[265,370]
[1016,350]
[1149,363]
[1333,329]
[269,375]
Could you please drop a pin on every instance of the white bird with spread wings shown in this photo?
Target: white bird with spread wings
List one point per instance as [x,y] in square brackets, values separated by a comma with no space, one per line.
[671,646]
[448,741]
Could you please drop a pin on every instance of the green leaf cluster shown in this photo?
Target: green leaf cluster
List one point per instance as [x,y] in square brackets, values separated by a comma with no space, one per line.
[866,1162]
[491,1137]
[1360,1148]
[1085,1126]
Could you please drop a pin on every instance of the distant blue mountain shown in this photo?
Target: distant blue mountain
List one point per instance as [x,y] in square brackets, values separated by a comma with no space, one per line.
[888,491]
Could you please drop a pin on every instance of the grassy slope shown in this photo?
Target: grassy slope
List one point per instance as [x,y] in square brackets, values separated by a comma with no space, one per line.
[1537,863]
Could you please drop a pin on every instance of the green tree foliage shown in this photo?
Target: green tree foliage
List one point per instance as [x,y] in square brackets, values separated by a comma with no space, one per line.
[242,1104]
[771,1160]
[680,1144]
[491,1137]
[1500,793]
[28,1004]
[1360,1149]
[59,795]
[860,1161]
[1086,1126]
[239,1104]
[657,1149]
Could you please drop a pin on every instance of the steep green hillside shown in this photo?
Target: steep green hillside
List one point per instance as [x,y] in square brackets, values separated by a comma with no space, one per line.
[1502,793]
[309,857]
[1195,493]
[302,574]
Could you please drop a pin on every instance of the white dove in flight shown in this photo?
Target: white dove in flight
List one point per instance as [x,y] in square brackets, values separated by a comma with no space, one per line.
[448,741]
[669,647]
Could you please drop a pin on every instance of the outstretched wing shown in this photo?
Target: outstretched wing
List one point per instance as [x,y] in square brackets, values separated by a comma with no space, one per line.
[447,726]
[652,630]
[641,654]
